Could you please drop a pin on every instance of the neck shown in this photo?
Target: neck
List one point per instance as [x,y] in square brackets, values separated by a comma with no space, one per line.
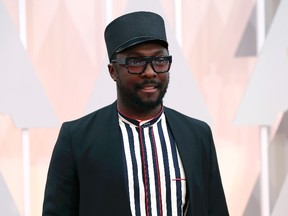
[140,114]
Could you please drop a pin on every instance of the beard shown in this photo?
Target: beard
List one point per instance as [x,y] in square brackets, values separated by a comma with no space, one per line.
[131,98]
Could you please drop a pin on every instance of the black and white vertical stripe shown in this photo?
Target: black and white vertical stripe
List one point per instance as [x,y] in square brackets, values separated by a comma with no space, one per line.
[155,176]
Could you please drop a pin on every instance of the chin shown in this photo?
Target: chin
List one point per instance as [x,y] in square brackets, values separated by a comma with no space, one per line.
[149,104]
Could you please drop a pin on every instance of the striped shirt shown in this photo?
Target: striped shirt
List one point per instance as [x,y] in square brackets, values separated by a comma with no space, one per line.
[155,176]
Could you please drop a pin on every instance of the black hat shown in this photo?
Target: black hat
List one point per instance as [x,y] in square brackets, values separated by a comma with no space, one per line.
[134,28]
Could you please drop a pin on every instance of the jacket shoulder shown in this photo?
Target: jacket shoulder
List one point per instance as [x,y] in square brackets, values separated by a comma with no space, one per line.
[176,117]
[99,117]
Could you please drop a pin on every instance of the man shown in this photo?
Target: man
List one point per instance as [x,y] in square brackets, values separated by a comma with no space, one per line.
[135,157]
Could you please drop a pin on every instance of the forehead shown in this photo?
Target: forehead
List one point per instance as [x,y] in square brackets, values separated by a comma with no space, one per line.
[145,49]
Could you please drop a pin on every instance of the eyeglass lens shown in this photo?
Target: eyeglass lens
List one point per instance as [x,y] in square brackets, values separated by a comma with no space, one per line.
[138,65]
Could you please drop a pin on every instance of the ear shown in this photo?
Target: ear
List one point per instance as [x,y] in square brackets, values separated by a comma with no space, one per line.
[112,71]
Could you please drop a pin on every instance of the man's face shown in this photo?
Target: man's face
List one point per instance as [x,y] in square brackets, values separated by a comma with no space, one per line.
[145,91]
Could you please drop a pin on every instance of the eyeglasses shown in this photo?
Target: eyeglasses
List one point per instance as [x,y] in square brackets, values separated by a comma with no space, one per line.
[137,65]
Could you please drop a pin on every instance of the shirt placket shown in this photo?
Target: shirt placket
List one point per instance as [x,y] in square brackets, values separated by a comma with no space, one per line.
[145,169]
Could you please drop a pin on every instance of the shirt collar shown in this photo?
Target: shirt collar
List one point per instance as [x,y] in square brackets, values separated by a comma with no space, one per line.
[142,123]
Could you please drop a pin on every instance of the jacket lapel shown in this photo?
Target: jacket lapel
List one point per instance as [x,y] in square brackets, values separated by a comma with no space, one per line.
[112,159]
[187,142]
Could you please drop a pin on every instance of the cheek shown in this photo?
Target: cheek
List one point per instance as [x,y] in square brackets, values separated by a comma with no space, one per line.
[164,78]
[125,80]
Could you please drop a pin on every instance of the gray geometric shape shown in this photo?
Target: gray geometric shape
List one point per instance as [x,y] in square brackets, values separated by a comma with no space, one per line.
[278,160]
[183,93]
[253,204]
[278,170]
[267,93]
[282,129]
[7,204]
[104,91]
[281,207]
[270,10]
[21,94]
[247,45]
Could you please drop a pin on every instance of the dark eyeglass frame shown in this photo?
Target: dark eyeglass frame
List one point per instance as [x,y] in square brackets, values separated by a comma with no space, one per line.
[152,60]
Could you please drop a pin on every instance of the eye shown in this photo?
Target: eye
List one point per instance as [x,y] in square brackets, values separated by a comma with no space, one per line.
[136,62]
[161,61]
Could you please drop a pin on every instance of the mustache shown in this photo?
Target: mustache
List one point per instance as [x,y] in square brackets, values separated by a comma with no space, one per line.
[149,82]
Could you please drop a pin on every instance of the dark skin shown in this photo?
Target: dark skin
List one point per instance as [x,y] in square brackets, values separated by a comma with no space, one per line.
[140,95]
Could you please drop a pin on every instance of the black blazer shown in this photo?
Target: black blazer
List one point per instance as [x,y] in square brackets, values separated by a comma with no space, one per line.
[85,176]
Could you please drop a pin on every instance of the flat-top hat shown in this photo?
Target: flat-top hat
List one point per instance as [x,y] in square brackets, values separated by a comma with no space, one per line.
[132,29]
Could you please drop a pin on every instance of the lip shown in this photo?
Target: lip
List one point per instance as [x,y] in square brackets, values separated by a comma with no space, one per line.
[149,88]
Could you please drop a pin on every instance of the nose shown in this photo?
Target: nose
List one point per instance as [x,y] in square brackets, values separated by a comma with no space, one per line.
[149,72]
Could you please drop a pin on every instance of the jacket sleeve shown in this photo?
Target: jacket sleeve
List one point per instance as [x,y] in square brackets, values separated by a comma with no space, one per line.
[62,189]
[197,150]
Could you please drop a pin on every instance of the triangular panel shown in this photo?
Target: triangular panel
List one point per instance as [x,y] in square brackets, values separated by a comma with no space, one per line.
[7,204]
[281,207]
[21,94]
[247,46]
[253,204]
[104,92]
[267,93]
